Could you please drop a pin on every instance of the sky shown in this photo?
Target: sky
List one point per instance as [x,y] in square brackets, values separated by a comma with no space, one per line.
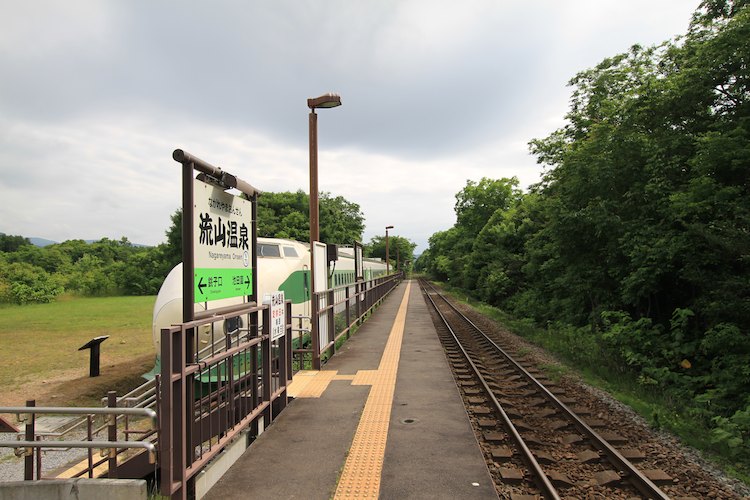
[95,96]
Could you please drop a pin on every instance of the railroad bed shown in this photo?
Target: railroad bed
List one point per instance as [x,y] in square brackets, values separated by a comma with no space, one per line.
[556,438]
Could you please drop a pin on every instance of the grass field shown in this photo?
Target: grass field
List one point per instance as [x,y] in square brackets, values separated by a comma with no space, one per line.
[39,348]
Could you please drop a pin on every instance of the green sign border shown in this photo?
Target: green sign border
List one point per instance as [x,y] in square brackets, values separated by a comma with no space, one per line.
[218,283]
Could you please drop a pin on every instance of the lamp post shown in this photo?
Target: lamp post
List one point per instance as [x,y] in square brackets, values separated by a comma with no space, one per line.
[387,262]
[324,101]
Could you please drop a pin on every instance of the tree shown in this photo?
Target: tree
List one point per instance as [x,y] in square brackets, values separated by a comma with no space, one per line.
[449,254]
[285,215]
[443,262]
[477,201]
[341,221]
[9,243]
[638,237]
[398,246]
[498,255]
[22,283]
[172,249]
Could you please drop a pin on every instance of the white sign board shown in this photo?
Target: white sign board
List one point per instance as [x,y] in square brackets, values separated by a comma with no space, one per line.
[358,261]
[278,313]
[222,232]
[320,282]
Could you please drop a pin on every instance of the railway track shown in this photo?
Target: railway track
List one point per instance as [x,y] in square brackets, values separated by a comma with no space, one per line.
[538,441]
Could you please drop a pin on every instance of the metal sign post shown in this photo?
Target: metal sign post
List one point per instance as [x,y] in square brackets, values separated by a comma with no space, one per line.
[94,344]
[218,235]
[219,239]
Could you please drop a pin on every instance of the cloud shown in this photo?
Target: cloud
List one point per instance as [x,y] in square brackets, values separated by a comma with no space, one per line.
[95,96]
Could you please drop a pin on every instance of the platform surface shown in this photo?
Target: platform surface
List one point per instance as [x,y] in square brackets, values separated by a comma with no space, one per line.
[382,419]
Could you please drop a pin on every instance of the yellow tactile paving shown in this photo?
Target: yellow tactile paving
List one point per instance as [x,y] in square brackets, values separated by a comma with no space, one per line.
[300,380]
[365,377]
[364,464]
[312,384]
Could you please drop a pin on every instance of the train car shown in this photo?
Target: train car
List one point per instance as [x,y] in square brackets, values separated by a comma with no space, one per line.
[282,265]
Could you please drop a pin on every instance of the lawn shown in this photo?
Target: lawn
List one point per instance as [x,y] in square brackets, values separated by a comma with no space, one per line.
[39,348]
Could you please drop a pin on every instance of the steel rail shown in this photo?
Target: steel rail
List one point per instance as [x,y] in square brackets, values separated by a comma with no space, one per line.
[634,475]
[541,479]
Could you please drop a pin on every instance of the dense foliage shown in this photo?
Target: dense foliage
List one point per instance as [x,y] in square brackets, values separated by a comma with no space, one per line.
[285,215]
[400,251]
[108,267]
[105,267]
[636,244]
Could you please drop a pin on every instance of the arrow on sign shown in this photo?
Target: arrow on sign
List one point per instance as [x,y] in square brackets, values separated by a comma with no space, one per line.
[201,285]
[247,282]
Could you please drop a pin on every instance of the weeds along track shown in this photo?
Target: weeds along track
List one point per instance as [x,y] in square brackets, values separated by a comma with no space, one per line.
[537,441]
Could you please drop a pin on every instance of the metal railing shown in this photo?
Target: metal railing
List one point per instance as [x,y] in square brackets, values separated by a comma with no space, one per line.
[336,311]
[34,442]
[205,395]
[208,400]
[300,339]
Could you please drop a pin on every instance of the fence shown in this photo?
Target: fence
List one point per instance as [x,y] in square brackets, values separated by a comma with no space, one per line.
[35,442]
[210,394]
[336,311]
[214,384]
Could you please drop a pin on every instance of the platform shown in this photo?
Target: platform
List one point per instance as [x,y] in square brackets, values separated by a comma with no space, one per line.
[383,419]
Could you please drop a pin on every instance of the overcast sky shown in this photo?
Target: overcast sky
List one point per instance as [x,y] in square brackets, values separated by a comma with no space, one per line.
[95,96]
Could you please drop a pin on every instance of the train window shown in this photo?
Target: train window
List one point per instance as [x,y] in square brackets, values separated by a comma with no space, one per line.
[266,250]
[290,252]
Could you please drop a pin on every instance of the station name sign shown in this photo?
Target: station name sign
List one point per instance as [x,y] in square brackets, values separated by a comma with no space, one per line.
[222,246]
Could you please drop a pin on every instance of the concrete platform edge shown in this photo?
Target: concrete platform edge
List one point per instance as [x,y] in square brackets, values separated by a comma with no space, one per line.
[75,489]
[214,471]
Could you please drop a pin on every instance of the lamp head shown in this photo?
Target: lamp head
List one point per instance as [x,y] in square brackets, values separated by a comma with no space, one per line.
[329,100]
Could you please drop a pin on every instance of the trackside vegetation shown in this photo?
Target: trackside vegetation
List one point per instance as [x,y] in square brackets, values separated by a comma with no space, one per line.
[31,274]
[632,256]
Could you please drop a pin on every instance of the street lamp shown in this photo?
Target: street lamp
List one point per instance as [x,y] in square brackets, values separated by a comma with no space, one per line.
[324,101]
[387,262]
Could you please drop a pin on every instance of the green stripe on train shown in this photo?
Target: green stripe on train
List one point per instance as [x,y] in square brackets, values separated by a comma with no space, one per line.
[296,287]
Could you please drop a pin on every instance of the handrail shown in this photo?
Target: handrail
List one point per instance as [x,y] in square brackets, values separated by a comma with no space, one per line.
[147,445]
[359,295]
[56,410]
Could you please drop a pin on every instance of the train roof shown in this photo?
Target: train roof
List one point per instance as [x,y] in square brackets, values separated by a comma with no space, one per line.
[346,251]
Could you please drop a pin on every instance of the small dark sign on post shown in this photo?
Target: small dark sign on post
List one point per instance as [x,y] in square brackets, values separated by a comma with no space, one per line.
[93,344]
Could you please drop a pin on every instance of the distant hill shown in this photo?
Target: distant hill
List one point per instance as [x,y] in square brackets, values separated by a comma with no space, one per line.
[41,242]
